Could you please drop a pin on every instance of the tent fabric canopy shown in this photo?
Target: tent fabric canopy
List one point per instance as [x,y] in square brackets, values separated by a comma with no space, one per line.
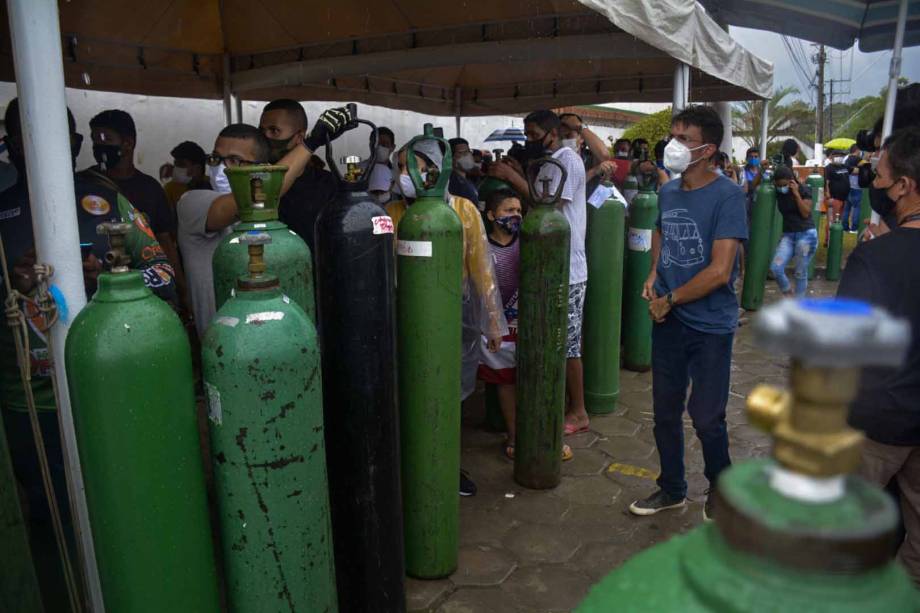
[505,56]
[836,23]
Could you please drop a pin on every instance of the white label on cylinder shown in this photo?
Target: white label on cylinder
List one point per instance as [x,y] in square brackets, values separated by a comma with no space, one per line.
[259,318]
[419,249]
[383,224]
[639,239]
[260,225]
[214,412]
[230,322]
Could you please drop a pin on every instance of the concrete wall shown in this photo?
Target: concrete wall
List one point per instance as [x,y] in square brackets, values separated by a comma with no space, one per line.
[163,122]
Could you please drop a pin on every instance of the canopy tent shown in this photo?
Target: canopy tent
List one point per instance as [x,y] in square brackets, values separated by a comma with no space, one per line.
[498,57]
[836,23]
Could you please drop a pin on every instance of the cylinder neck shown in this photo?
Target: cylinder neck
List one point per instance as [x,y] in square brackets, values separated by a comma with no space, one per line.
[121,287]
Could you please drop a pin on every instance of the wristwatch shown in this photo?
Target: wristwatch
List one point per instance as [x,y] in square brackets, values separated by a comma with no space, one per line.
[670,299]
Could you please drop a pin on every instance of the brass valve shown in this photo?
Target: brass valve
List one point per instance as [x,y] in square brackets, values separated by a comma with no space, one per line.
[808,423]
[353,171]
[255,243]
[116,257]
[257,192]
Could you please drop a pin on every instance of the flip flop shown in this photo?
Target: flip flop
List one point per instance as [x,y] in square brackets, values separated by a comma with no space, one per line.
[572,429]
[509,451]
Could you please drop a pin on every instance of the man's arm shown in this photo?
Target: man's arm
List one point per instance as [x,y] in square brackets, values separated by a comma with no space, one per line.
[648,290]
[802,203]
[506,173]
[714,276]
[592,140]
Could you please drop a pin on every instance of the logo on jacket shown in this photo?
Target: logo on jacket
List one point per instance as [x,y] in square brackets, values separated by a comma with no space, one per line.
[95,205]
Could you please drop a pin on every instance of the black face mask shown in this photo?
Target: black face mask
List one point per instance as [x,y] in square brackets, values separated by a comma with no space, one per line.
[880,202]
[279,148]
[534,149]
[107,156]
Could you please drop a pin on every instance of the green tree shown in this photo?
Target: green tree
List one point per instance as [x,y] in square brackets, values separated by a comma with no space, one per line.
[652,128]
[781,118]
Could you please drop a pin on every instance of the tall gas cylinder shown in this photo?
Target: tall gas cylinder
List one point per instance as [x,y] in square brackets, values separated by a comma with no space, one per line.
[760,248]
[797,532]
[257,191]
[261,370]
[815,181]
[834,251]
[630,187]
[428,305]
[542,331]
[637,325]
[356,307]
[603,304]
[130,372]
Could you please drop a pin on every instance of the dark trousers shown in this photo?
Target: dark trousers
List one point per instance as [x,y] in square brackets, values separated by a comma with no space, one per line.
[681,355]
[26,466]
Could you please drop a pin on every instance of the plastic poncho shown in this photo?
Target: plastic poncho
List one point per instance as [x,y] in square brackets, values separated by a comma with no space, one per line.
[483,314]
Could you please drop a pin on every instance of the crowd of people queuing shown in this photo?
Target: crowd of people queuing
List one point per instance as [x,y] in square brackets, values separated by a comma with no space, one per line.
[178,222]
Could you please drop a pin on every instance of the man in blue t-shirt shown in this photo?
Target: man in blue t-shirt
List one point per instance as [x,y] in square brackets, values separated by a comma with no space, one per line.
[693,304]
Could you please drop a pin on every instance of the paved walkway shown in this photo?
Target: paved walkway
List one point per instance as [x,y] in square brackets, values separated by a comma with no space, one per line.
[540,551]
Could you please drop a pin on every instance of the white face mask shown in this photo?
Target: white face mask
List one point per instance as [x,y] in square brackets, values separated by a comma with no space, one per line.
[677,156]
[219,181]
[381,198]
[407,187]
[466,162]
[571,143]
[181,175]
[383,154]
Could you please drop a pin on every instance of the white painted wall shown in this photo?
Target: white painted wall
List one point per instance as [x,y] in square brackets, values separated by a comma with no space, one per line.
[162,123]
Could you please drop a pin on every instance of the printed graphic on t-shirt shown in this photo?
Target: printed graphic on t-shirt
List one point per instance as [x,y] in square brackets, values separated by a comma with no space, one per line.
[681,242]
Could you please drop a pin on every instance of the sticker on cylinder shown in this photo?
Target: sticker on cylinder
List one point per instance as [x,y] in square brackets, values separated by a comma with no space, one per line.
[225,320]
[419,249]
[214,411]
[383,224]
[639,239]
[262,317]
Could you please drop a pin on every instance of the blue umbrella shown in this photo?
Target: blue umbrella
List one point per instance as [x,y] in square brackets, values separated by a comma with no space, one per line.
[512,134]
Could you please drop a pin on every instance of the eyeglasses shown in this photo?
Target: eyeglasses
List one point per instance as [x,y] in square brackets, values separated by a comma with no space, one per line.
[229,161]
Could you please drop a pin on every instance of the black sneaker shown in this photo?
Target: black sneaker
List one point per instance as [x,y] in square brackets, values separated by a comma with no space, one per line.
[708,506]
[467,487]
[659,501]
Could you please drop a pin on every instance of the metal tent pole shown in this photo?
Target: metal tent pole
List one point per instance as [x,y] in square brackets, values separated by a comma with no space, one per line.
[228,95]
[681,87]
[894,71]
[36,37]
[764,120]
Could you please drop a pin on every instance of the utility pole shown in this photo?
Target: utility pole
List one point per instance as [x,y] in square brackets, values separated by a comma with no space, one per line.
[830,114]
[819,119]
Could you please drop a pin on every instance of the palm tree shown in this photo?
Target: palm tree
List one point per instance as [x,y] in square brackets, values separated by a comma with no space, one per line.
[747,115]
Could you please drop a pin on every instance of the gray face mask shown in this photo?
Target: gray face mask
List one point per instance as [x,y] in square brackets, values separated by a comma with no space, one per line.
[219,181]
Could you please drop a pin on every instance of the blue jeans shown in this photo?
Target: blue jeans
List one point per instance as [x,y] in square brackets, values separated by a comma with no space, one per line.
[680,355]
[852,206]
[801,244]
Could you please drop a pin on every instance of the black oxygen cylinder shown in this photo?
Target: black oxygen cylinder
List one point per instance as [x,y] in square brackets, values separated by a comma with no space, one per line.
[356,298]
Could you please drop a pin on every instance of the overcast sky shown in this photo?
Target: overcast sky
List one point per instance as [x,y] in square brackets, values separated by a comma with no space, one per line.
[869,70]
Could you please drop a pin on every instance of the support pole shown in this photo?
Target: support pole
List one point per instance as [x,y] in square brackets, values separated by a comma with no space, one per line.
[894,71]
[681,87]
[458,108]
[36,38]
[237,107]
[725,113]
[228,95]
[764,120]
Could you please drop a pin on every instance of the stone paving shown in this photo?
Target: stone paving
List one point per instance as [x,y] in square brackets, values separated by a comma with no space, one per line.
[540,551]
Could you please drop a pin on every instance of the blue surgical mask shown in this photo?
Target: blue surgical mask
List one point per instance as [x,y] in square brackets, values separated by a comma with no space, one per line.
[783,190]
[510,223]
[755,162]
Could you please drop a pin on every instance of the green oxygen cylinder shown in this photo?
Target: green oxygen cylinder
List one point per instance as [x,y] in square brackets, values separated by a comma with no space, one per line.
[542,332]
[261,370]
[796,532]
[865,210]
[816,182]
[630,188]
[760,249]
[129,366]
[834,251]
[429,257]
[603,303]
[637,325]
[257,191]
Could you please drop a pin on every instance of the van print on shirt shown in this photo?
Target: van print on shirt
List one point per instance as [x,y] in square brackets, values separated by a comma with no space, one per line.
[681,242]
